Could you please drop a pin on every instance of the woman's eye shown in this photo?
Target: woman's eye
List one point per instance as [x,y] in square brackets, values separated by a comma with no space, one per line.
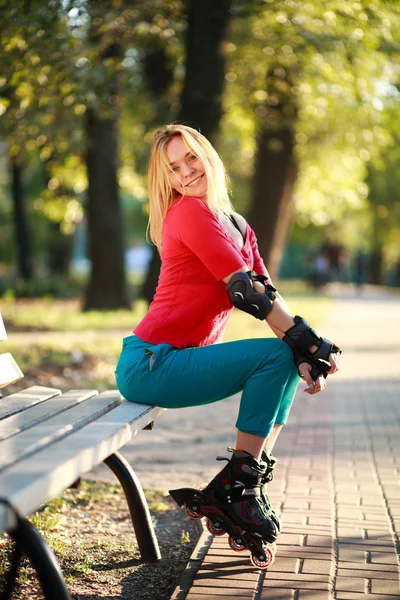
[175,169]
[193,157]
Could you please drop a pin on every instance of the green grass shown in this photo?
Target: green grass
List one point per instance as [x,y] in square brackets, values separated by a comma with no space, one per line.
[66,315]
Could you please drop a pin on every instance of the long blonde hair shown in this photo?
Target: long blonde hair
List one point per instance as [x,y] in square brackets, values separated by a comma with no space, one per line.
[161,192]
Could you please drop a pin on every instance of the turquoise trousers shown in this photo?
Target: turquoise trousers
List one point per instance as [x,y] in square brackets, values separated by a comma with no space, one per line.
[262,369]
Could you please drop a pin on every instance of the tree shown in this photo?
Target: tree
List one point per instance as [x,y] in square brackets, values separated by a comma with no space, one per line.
[299,105]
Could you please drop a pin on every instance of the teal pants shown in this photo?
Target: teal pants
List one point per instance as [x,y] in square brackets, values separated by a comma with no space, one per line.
[262,369]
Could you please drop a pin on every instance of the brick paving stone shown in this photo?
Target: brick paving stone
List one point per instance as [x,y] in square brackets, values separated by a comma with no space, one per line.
[207,593]
[368,573]
[325,567]
[276,594]
[298,584]
[214,580]
[390,570]
[372,545]
[307,552]
[285,564]
[319,540]
[313,595]
[388,586]
[222,574]
[387,558]
[351,584]
[355,596]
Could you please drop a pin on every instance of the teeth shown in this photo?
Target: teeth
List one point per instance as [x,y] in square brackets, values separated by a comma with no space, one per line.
[194,182]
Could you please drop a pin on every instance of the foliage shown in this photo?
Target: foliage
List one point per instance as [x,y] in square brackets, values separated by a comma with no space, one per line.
[338,64]
[345,62]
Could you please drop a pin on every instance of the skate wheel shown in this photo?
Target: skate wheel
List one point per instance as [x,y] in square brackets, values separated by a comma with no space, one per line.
[214,528]
[262,563]
[193,514]
[235,545]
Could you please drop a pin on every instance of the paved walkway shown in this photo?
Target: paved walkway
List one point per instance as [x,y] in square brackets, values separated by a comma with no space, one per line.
[337,480]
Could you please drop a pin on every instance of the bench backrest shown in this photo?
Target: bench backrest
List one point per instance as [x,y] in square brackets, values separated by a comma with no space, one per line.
[9,370]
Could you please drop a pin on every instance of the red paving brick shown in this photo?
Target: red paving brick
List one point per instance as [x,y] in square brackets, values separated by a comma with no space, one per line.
[336,485]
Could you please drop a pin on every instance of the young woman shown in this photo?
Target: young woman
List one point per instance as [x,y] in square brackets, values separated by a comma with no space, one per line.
[210,263]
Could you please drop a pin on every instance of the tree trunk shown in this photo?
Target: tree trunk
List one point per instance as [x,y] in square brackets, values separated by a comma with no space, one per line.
[22,231]
[276,170]
[376,265]
[272,207]
[380,227]
[59,250]
[201,99]
[107,282]
[107,285]
[59,246]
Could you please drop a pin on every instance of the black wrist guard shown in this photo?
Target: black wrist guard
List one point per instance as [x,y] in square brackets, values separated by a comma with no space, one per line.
[243,296]
[301,337]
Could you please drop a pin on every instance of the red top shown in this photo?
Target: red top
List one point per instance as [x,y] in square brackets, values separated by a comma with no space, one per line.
[191,306]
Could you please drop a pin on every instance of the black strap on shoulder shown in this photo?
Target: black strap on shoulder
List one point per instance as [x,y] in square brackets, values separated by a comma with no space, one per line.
[235,223]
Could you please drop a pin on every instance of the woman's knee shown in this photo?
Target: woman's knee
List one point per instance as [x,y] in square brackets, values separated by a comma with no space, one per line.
[278,350]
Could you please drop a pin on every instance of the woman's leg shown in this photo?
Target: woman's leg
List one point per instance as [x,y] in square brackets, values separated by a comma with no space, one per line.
[273,436]
[261,368]
[253,444]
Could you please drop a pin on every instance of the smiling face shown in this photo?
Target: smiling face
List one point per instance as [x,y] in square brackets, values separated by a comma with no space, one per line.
[187,175]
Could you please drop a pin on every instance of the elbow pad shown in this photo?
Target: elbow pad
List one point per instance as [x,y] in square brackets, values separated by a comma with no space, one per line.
[244,297]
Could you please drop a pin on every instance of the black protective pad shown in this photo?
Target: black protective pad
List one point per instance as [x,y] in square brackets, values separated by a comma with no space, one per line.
[301,337]
[244,297]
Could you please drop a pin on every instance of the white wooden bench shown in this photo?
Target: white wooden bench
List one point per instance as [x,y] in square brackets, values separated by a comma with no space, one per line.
[48,439]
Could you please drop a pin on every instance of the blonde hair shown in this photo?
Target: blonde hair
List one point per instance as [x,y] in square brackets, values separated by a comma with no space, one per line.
[161,192]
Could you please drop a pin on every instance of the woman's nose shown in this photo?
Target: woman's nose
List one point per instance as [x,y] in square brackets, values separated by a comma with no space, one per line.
[187,171]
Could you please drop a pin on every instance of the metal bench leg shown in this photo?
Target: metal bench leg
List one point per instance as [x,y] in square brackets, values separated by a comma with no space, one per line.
[43,560]
[140,515]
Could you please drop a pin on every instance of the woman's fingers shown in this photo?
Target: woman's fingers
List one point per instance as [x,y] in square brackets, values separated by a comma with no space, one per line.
[334,360]
[317,386]
[314,387]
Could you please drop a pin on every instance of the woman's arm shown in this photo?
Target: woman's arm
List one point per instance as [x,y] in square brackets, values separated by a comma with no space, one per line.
[280,321]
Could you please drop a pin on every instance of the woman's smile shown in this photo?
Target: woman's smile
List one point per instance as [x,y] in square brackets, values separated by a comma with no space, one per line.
[186,170]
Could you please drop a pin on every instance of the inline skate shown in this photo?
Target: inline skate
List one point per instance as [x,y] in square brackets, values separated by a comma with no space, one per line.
[232,504]
[270,462]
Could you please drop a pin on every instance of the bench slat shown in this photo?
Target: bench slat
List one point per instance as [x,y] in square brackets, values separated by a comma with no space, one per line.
[20,401]
[55,428]
[41,412]
[9,370]
[31,482]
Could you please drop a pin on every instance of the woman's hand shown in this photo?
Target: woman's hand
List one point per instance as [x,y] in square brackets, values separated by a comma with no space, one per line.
[334,359]
[314,387]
